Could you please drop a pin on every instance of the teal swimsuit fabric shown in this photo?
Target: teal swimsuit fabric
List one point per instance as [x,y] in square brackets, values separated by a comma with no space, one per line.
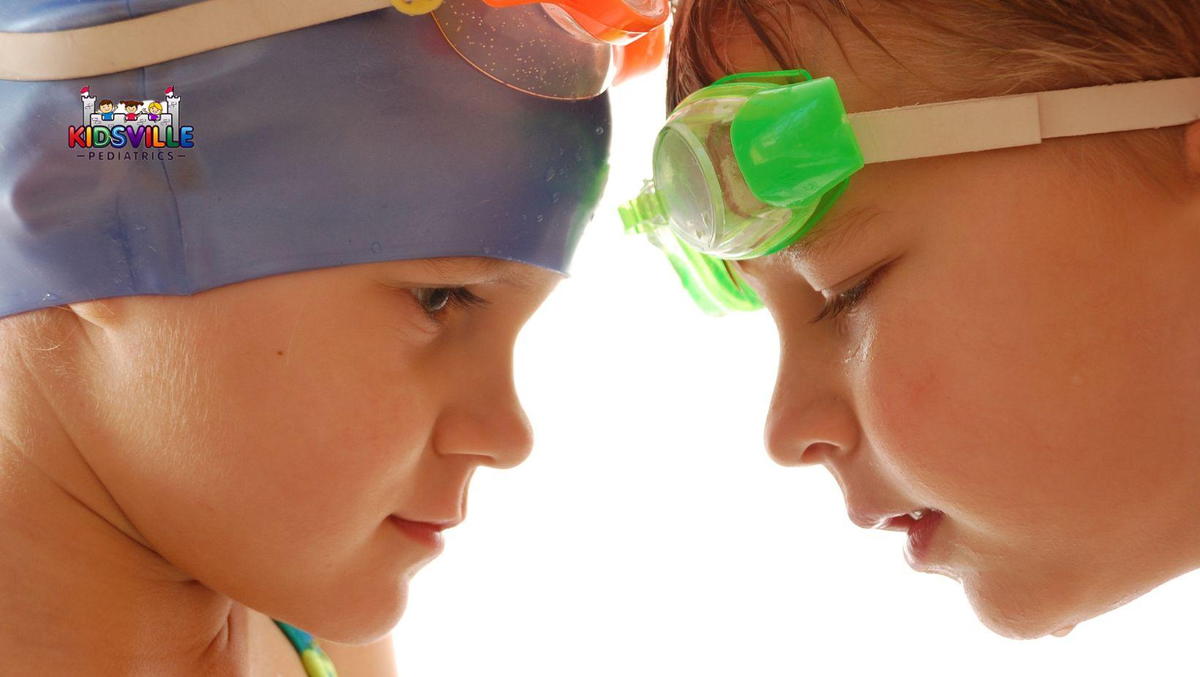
[316,663]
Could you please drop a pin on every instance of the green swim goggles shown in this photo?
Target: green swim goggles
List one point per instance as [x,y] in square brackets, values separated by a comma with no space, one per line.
[749,165]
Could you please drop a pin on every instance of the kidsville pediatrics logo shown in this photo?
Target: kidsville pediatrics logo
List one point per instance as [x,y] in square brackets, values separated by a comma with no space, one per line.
[139,130]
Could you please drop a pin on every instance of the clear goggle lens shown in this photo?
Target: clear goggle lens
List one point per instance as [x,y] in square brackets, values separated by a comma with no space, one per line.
[703,193]
[567,50]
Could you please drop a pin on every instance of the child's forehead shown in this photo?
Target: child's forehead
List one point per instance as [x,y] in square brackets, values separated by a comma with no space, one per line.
[833,46]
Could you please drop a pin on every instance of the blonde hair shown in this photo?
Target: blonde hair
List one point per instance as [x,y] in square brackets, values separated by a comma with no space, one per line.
[977,47]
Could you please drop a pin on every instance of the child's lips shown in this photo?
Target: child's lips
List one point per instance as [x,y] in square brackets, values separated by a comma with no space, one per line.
[426,533]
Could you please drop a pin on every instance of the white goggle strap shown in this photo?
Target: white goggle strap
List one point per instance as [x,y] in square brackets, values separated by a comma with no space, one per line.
[952,127]
[163,36]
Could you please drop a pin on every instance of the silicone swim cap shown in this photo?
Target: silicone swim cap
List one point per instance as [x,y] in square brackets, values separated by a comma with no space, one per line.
[360,140]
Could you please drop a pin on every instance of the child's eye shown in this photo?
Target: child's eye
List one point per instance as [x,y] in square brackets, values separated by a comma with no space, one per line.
[849,299]
[435,300]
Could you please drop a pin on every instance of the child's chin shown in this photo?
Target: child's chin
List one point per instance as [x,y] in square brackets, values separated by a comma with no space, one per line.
[363,624]
[1023,629]
[1016,613]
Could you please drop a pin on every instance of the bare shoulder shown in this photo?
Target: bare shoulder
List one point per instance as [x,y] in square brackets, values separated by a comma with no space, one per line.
[362,660]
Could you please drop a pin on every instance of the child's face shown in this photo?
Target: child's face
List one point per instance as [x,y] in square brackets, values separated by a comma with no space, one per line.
[261,435]
[1020,364]
[106,107]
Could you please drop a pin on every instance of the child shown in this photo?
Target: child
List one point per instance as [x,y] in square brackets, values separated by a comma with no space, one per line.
[106,109]
[249,393]
[994,351]
[131,110]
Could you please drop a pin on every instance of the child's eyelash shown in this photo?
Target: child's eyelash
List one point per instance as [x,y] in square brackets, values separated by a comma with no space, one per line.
[848,299]
[435,300]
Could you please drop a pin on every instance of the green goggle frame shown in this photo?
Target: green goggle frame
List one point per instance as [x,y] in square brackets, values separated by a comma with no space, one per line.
[750,164]
[742,169]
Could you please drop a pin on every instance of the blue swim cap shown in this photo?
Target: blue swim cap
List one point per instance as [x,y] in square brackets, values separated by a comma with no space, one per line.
[360,140]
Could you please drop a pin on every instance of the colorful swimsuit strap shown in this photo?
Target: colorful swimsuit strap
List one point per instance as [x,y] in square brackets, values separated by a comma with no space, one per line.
[316,663]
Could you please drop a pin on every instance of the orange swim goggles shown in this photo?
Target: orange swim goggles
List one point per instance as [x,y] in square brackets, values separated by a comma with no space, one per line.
[569,49]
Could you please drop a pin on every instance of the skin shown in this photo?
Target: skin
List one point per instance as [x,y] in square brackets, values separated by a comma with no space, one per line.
[1026,362]
[160,457]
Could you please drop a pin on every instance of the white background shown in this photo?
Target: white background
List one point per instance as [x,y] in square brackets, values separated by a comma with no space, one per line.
[650,534]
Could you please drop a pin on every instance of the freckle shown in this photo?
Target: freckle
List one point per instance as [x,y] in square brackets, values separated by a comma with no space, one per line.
[279,353]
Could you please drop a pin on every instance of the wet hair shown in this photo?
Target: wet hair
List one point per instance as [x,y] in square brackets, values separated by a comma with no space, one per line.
[1018,45]
[971,48]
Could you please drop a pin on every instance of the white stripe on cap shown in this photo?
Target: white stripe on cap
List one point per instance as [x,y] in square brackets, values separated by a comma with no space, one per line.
[163,36]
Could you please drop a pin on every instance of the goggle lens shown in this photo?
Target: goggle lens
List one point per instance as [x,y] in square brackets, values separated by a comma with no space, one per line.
[526,48]
[685,188]
[702,189]
[570,49]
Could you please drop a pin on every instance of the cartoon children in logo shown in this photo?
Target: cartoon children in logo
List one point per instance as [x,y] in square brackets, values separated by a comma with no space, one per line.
[108,111]
[148,122]
[131,110]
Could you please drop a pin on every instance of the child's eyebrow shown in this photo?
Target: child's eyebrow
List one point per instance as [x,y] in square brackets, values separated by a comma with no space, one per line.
[832,233]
